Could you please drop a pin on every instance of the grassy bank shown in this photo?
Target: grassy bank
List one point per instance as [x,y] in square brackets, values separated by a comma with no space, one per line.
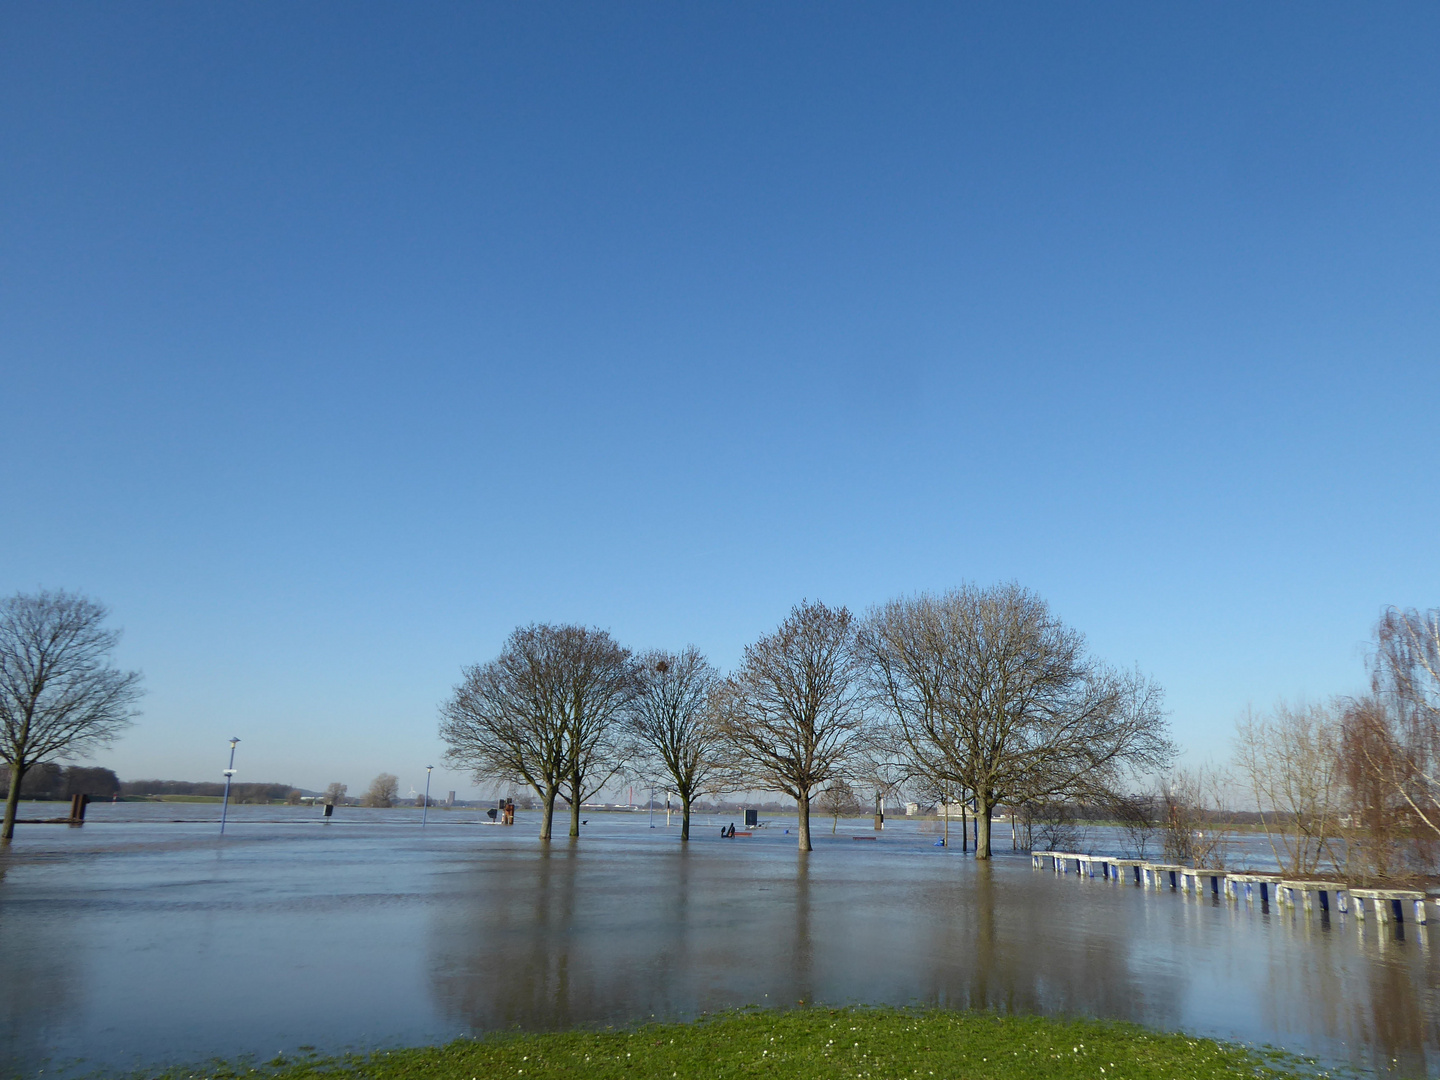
[809,1044]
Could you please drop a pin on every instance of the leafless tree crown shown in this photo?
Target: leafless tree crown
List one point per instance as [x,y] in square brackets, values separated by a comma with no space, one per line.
[543,714]
[1290,761]
[793,712]
[1405,677]
[986,692]
[59,695]
[673,730]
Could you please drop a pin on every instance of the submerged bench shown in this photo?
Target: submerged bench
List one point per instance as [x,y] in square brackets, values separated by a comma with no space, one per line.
[1387,902]
[1059,860]
[1062,861]
[1327,891]
[1202,880]
[1159,875]
[1247,886]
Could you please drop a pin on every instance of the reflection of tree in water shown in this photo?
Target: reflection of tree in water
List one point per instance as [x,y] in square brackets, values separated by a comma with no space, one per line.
[1394,1022]
[570,937]
[802,948]
[557,939]
[993,958]
[38,982]
[1376,1010]
[517,970]
[583,936]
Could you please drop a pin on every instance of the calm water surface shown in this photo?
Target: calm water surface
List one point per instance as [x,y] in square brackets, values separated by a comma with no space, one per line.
[147,941]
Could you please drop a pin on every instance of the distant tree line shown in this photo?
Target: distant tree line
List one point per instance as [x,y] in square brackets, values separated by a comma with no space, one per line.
[974,696]
[239,793]
[50,780]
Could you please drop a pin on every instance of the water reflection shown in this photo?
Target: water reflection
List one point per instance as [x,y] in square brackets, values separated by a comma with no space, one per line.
[148,944]
[38,983]
[674,932]
[564,937]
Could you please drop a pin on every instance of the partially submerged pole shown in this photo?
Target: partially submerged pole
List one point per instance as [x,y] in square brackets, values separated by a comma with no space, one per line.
[230,772]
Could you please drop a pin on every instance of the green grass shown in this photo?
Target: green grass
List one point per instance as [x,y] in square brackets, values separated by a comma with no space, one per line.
[184,798]
[807,1044]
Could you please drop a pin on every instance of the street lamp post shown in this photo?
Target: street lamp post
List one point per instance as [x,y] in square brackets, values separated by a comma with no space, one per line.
[225,806]
[425,814]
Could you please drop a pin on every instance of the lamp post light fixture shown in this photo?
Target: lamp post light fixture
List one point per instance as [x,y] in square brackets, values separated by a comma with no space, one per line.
[230,772]
[425,813]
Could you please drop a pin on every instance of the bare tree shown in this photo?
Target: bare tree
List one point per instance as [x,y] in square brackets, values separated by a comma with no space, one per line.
[1136,817]
[988,692]
[335,793]
[59,695]
[384,790]
[1381,823]
[543,714]
[1405,678]
[671,721]
[1056,827]
[506,720]
[599,678]
[837,800]
[792,713]
[1193,809]
[1290,762]
[930,791]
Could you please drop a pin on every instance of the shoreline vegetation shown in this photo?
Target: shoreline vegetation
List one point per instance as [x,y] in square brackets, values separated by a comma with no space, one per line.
[806,1043]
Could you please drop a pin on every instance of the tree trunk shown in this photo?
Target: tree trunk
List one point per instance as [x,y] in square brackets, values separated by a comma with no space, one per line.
[12,803]
[574,805]
[983,812]
[549,816]
[804,804]
[684,817]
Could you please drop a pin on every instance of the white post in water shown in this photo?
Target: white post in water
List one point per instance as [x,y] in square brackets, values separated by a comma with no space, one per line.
[225,806]
[425,813]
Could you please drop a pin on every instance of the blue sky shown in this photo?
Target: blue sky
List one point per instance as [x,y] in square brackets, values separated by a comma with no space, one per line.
[339,339]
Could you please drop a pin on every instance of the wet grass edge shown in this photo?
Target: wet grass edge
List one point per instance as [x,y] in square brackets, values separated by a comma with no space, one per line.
[808,1043]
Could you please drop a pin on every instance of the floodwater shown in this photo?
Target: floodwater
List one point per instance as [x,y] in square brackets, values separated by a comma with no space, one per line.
[139,941]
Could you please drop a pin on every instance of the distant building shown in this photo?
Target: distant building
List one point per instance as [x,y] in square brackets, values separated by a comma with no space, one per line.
[956,809]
